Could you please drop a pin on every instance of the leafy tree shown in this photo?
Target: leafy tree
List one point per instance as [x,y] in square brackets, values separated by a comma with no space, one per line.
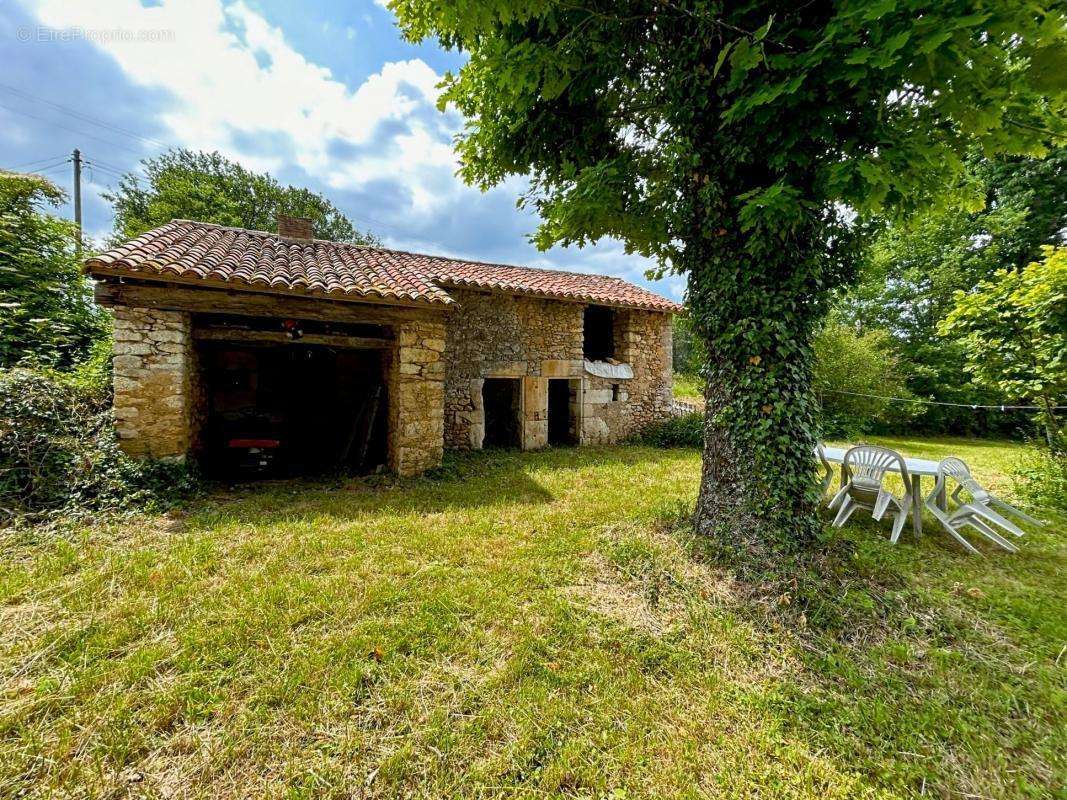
[1036,189]
[183,184]
[47,312]
[688,352]
[853,372]
[1014,330]
[914,267]
[728,141]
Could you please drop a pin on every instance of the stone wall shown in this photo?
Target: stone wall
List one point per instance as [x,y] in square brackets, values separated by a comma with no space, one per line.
[155,382]
[643,339]
[416,398]
[497,335]
[436,372]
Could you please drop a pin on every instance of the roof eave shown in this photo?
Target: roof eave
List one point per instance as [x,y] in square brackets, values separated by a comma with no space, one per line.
[94,269]
[475,286]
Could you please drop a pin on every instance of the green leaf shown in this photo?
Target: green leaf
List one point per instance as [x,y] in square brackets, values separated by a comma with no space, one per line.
[878,9]
[763,30]
[859,56]
[930,43]
[722,58]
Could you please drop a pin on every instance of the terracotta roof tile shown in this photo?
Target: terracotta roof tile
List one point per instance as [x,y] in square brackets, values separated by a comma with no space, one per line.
[255,259]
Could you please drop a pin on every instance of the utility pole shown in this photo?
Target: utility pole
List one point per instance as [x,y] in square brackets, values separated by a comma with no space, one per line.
[77,159]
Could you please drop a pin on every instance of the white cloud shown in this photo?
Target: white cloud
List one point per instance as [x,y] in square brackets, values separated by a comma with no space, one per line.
[238,83]
[233,72]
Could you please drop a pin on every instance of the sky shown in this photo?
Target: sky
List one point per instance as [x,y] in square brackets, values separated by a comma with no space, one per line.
[325,95]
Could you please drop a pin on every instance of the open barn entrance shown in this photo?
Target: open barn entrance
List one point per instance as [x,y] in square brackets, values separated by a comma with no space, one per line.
[563,400]
[289,409]
[502,401]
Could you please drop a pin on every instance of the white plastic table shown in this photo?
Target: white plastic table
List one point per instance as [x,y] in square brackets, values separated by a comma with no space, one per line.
[917,468]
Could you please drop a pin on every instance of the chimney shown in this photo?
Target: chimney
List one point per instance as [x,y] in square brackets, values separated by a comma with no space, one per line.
[295,227]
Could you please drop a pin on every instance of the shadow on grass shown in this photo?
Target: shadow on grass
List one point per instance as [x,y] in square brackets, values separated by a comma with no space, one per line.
[464,481]
[924,668]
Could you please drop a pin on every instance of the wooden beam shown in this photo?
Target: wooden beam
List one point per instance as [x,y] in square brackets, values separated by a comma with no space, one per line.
[221,334]
[255,304]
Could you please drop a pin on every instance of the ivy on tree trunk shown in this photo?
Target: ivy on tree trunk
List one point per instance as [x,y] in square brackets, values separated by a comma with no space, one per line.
[756,304]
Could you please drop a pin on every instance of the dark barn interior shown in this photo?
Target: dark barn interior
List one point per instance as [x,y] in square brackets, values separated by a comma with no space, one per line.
[562,429]
[502,400]
[289,409]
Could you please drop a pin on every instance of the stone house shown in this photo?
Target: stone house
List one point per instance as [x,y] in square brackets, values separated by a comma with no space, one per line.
[336,354]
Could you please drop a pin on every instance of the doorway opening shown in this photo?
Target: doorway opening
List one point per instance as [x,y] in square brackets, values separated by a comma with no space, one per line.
[502,401]
[290,410]
[563,399]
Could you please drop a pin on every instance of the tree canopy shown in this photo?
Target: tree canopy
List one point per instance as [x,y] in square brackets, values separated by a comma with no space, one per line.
[47,312]
[730,141]
[913,267]
[208,187]
[853,374]
[1013,327]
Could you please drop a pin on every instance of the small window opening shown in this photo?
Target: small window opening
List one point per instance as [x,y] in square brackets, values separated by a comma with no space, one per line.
[614,392]
[599,333]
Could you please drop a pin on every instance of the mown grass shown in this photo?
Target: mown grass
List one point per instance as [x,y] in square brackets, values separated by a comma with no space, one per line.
[521,625]
[688,387]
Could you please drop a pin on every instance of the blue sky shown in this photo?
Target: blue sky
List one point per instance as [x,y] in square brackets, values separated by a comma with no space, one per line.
[325,95]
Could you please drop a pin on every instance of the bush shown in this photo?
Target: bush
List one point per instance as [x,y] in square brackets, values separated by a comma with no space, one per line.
[683,431]
[1041,479]
[59,455]
[864,363]
[47,311]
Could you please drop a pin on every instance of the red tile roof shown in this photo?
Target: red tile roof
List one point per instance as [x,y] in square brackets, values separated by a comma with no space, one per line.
[213,254]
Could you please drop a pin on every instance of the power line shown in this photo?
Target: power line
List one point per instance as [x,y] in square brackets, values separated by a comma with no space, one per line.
[112,167]
[52,170]
[94,164]
[25,164]
[46,167]
[68,128]
[82,116]
[974,406]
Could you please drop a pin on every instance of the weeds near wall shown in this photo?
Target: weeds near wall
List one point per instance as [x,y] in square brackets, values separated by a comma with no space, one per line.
[59,456]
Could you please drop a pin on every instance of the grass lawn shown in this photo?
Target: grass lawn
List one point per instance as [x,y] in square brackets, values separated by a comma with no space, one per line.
[689,388]
[521,625]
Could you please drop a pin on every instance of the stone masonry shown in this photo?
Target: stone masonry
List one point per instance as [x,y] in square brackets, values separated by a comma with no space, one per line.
[533,339]
[155,382]
[436,372]
[416,406]
[644,340]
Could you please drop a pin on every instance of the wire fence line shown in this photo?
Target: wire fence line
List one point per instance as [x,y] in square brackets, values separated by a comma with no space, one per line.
[974,406]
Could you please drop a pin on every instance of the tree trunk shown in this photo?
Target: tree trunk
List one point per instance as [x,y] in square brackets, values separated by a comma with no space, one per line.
[1051,423]
[757,312]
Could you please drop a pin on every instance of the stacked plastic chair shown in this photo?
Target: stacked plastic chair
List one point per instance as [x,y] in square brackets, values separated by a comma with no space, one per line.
[978,513]
[828,471]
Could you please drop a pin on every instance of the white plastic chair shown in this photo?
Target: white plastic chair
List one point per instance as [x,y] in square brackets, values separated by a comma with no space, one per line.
[828,476]
[863,475]
[976,513]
